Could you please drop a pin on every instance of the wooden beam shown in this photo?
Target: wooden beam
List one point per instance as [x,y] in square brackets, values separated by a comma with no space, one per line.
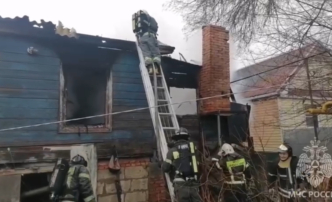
[28,169]
[37,154]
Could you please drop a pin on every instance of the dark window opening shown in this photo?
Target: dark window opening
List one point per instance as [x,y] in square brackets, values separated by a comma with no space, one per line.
[310,120]
[35,181]
[85,93]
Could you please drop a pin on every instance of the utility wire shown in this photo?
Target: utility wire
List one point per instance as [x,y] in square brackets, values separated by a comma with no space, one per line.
[257,74]
[143,108]
[127,111]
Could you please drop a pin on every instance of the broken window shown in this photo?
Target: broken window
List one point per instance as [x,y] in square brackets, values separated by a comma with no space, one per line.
[85,92]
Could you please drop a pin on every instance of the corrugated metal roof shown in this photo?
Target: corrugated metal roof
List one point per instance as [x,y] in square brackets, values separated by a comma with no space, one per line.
[25,20]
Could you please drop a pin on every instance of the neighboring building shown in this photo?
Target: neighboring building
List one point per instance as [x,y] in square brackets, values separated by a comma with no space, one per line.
[278,91]
[67,75]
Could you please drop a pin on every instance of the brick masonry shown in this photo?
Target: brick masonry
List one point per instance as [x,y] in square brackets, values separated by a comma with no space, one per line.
[141,181]
[215,74]
[158,191]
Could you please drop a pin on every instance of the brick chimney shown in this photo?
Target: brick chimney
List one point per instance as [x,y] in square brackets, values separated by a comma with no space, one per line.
[214,77]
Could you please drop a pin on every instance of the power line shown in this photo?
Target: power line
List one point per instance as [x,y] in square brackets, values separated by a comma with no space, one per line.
[126,111]
[257,74]
[140,109]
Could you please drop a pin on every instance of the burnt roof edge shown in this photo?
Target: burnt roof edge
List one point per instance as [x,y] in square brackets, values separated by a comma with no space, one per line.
[22,26]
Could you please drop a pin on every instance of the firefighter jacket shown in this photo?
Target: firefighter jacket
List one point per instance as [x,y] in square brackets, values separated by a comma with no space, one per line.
[78,185]
[283,173]
[235,169]
[150,26]
[181,161]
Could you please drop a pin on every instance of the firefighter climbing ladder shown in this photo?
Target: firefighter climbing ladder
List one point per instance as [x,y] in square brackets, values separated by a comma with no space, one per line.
[163,117]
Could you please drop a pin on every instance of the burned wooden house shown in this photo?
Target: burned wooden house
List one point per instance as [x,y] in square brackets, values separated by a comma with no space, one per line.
[49,80]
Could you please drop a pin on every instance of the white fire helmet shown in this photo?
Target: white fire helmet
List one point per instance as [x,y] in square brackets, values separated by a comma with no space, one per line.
[283,148]
[286,148]
[226,149]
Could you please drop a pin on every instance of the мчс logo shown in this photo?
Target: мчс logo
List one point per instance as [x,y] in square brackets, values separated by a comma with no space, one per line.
[314,164]
[309,194]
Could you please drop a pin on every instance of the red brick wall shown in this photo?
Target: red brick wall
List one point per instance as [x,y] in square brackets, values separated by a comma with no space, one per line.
[215,75]
[156,185]
[158,191]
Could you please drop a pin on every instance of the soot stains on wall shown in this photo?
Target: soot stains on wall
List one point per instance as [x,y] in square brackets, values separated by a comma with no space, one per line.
[85,89]
[85,94]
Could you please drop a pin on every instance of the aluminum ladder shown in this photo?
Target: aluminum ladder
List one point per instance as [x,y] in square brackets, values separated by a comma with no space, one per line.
[166,123]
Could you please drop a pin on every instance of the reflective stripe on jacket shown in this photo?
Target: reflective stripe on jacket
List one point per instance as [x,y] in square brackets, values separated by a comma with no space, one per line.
[78,182]
[173,154]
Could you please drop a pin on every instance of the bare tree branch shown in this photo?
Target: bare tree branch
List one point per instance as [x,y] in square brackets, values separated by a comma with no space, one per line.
[257,21]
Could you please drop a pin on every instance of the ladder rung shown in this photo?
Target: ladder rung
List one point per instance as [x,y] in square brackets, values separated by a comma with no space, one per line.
[165,114]
[169,128]
[162,100]
[165,132]
[158,87]
[158,75]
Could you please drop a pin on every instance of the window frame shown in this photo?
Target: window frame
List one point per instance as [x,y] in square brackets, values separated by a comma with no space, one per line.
[313,120]
[307,106]
[63,128]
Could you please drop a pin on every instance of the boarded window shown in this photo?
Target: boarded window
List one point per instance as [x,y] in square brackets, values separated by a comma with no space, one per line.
[85,92]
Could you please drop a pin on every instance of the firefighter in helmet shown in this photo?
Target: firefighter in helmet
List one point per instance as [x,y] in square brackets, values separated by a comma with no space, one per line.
[283,174]
[78,186]
[182,160]
[147,35]
[236,173]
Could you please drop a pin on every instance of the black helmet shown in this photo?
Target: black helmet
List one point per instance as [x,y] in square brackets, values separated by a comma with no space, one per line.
[182,133]
[79,160]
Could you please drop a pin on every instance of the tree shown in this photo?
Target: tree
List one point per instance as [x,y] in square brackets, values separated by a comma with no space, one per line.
[278,26]
[281,24]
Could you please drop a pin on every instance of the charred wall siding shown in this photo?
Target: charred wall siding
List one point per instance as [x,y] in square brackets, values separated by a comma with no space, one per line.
[191,123]
[234,128]
[29,94]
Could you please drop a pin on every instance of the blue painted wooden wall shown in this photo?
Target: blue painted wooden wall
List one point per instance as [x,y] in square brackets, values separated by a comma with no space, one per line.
[29,94]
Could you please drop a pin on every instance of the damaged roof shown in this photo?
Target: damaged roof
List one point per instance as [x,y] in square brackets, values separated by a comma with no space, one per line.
[179,74]
[267,77]
[24,27]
